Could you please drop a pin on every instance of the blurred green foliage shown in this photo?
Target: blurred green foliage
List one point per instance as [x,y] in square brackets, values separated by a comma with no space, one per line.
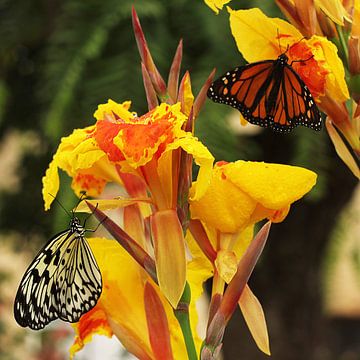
[59,60]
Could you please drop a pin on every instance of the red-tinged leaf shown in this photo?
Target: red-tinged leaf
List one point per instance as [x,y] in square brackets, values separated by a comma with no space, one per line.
[201,97]
[214,305]
[129,244]
[170,258]
[158,327]
[341,149]
[246,266]
[198,232]
[215,333]
[157,80]
[210,354]
[235,288]
[149,89]
[174,73]
[255,319]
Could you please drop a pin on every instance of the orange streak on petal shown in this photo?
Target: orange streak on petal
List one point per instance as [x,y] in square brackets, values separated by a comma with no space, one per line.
[89,183]
[92,323]
[157,323]
[104,135]
[144,139]
[311,71]
[279,215]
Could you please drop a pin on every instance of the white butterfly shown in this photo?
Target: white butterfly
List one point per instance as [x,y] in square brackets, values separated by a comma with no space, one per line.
[63,281]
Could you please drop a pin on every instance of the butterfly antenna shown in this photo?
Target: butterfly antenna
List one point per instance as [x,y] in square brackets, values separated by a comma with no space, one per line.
[81,198]
[89,216]
[93,230]
[302,60]
[278,37]
[61,205]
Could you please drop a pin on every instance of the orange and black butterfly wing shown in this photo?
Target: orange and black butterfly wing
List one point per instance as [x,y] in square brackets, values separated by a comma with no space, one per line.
[299,104]
[268,93]
[246,88]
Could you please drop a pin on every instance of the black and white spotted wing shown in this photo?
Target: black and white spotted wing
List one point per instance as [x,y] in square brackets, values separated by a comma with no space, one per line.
[63,281]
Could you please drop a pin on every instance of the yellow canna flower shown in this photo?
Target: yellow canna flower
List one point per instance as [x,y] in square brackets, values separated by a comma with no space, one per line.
[259,37]
[122,309]
[148,148]
[122,142]
[242,193]
[143,146]
[239,195]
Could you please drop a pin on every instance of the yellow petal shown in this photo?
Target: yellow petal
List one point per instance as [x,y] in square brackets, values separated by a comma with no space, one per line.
[79,156]
[275,216]
[188,96]
[131,341]
[51,183]
[243,240]
[226,264]
[167,179]
[274,186]
[111,108]
[169,247]
[255,319]
[334,9]
[122,295]
[202,157]
[92,323]
[216,5]
[341,149]
[256,34]
[355,28]
[224,205]
[324,50]
[122,300]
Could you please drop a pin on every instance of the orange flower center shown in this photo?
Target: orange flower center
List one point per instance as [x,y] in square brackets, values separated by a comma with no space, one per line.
[140,136]
[311,71]
[89,183]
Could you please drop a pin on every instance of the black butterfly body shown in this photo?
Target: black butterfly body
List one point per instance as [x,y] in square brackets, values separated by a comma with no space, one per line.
[268,93]
[63,281]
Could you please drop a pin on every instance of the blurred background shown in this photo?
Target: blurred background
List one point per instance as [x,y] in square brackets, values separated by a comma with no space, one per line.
[59,60]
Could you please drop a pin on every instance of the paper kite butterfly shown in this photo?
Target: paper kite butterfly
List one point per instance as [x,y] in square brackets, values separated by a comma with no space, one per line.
[63,281]
[268,93]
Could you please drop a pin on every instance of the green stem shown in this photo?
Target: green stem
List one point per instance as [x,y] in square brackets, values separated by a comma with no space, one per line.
[343,43]
[182,316]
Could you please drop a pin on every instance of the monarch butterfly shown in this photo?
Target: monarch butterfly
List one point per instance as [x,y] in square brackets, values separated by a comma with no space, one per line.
[268,93]
[63,281]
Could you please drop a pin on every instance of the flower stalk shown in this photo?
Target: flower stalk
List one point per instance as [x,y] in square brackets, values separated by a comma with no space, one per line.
[182,315]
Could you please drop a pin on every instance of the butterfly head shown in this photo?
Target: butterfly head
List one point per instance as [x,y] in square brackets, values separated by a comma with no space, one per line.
[75,225]
[283,59]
